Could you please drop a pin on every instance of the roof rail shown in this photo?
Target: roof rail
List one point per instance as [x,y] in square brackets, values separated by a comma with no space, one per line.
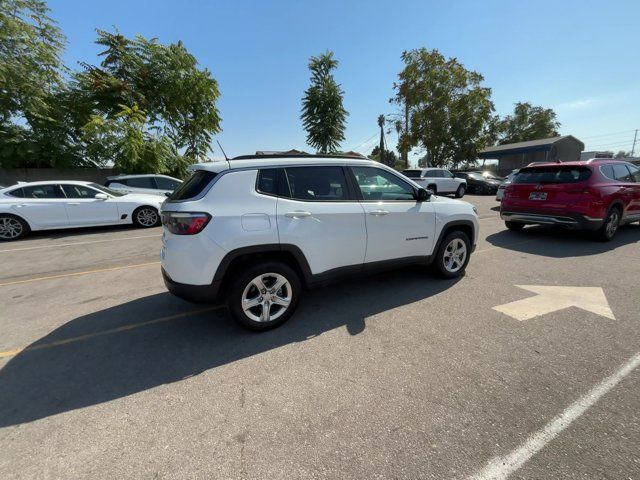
[295,155]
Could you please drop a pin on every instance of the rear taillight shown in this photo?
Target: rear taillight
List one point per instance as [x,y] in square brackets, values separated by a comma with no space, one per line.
[185,223]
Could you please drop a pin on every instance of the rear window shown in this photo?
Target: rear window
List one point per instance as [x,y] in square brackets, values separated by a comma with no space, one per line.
[412,173]
[193,186]
[553,174]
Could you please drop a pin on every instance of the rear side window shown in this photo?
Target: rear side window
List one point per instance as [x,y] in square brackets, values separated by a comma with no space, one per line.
[42,191]
[412,173]
[193,186]
[141,182]
[272,181]
[559,174]
[320,184]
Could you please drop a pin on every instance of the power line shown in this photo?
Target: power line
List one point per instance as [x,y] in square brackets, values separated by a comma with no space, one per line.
[609,134]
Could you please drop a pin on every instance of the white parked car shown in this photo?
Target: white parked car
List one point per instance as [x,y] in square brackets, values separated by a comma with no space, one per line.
[254,230]
[439,180]
[503,186]
[49,205]
[150,184]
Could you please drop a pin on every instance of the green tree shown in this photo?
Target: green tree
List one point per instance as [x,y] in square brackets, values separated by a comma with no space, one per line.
[147,106]
[389,157]
[33,132]
[447,108]
[323,115]
[527,122]
[622,154]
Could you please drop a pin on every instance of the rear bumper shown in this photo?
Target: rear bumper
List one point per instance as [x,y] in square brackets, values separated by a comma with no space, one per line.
[193,293]
[567,220]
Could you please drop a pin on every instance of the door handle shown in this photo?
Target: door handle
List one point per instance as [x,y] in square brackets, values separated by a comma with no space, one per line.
[73,203]
[297,214]
[379,213]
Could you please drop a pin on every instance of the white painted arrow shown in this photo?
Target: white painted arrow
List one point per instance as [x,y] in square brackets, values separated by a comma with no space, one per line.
[551,298]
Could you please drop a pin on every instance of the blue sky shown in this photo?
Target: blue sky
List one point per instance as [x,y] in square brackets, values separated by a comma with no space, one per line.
[579,57]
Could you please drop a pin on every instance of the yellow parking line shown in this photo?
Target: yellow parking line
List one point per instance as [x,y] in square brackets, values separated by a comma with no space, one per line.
[124,328]
[75,274]
[73,244]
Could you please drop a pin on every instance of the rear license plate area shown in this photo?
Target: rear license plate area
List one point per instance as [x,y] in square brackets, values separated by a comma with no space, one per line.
[538,196]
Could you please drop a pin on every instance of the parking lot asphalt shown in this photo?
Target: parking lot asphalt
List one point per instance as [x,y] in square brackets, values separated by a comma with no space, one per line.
[103,374]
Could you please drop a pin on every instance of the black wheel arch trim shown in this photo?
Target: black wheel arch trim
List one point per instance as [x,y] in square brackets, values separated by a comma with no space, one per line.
[455,223]
[295,251]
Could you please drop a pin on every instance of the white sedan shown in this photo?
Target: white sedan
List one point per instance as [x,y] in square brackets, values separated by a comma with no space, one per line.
[66,204]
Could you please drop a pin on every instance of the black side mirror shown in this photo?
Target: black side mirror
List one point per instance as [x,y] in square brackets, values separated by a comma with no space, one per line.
[167,194]
[423,195]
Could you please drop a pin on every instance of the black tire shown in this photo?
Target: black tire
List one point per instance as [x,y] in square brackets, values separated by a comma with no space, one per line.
[610,225]
[441,263]
[514,226]
[146,217]
[461,191]
[433,188]
[12,228]
[244,282]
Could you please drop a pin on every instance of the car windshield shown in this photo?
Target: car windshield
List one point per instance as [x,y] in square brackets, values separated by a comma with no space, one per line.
[106,190]
[560,174]
[476,176]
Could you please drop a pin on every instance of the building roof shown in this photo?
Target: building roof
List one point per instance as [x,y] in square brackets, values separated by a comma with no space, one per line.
[524,147]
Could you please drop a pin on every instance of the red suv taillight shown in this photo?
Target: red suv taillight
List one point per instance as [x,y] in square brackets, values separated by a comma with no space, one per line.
[185,223]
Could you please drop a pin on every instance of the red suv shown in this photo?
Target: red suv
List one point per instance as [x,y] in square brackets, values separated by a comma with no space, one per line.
[598,194]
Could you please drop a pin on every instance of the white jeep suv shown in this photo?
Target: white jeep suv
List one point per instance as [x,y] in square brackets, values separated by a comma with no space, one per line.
[255,230]
[438,180]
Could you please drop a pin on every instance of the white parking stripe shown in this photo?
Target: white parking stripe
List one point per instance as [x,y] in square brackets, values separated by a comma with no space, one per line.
[77,243]
[502,467]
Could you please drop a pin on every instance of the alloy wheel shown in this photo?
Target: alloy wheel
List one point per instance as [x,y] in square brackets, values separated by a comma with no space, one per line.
[612,223]
[10,228]
[455,254]
[267,297]
[147,217]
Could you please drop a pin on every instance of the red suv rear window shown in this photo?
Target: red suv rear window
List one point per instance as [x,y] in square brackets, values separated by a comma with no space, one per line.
[553,174]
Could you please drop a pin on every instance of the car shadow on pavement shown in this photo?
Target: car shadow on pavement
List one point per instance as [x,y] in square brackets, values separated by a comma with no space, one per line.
[561,243]
[79,232]
[99,368]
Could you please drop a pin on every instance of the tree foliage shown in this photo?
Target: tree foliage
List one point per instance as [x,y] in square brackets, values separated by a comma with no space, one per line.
[527,122]
[145,101]
[389,157]
[447,107]
[323,115]
[146,107]
[31,73]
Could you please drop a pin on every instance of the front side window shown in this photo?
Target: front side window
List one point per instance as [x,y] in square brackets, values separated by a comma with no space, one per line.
[79,191]
[167,183]
[635,173]
[621,172]
[379,185]
[317,183]
[42,191]
[447,174]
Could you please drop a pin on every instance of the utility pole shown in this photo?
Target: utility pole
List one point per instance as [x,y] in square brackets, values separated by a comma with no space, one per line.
[633,149]
[383,159]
